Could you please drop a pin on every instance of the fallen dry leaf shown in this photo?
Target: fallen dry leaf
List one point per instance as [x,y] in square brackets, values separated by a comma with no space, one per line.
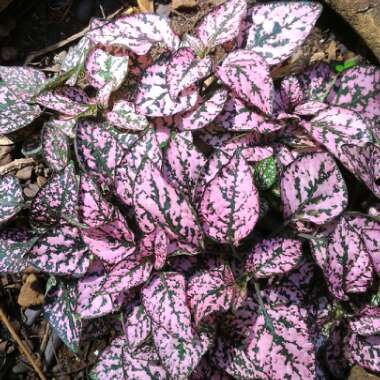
[146,6]
[30,292]
[184,3]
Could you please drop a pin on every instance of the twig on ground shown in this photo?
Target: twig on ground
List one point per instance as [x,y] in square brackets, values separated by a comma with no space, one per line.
[16,165]
[23,349]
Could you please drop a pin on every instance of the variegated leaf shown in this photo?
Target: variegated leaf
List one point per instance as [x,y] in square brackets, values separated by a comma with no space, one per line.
[137,33]
[367,322]
[59,311]
[57,199]
[222,23]
[289,95]
[248,75]
[313,189]
[348,266]
[310,108]
[363,162]
[157,203]
[153,98]
[279,28]
[185,69]
[364,351]
[155,244]
[211,291]
[273,257]
[204,112]
[124,116]
[97,150]
[67,127]
[117,361]
[337,126]
[60,251]
[358,89]
[14,245]
[11,197]
[55,147]
[265,171]
[164,299]
[23,82]
[179,356]
[183,163]
[137,327]
[229,207]
[112,241]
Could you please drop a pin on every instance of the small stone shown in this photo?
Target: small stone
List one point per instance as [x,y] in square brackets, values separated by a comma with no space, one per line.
[8,53]
[25,173]
[30,292]
[31,315]
[31,190]
[5,150]
[41,181]
[6,159]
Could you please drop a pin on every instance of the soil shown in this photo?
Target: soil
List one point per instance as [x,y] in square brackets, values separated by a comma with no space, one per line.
[27,26]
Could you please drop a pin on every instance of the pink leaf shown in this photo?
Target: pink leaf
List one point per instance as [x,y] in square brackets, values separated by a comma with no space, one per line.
[222,23]
[248,75]
[364,351]
[60,251]
[124,116]
[185,69]
[367,323]
[183,163]
[358,89]
[138,327]
[97,150]
[155,244]
[211,291]
[157,203]
[59,310]
[137,33]
[55,146]
[313,189]
[153,98]
[58,199]
[279,29]
[204,112]
[11,197]
[310,108]
[164,299]
[273,257]
[289,95]
[229,208]
[192,42]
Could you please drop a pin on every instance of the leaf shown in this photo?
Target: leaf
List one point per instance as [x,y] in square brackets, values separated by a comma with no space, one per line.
[192,42]
[364,351]
[313,189]
[97,150]
[265,171]
[185,69]
[94,209]
[183,163]
[65,126]
[204,112]
[273,257]
[60,251]
[14,244]
[155,244]
[279,29]
[367,323]
[337,126]
[146,6]
[57,199]
[105,71]
[157,203]
[117,361]
[55,147]
[348,266]
[222,23]
[211,291]
[23,82]
[59,311]
[310,108]
[363,161]
[229,208]
[206,370]
[124,116]
[177,355]
[112,241]
[11,197]
[358,89]
[137,33]
[247,73]
[153,98]
[289,95]
[165,302]
[138,327]
[15,114]
[70,101]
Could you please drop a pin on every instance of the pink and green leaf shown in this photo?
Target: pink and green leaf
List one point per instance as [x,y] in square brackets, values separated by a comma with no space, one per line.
[11,197]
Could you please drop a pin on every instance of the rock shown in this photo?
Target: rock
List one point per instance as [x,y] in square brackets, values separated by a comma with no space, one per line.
[31,190]
[30,292]
[25,173]
[41,181]
[31,316]
[8,53]
[5,159]
[358,373]
[5,150]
